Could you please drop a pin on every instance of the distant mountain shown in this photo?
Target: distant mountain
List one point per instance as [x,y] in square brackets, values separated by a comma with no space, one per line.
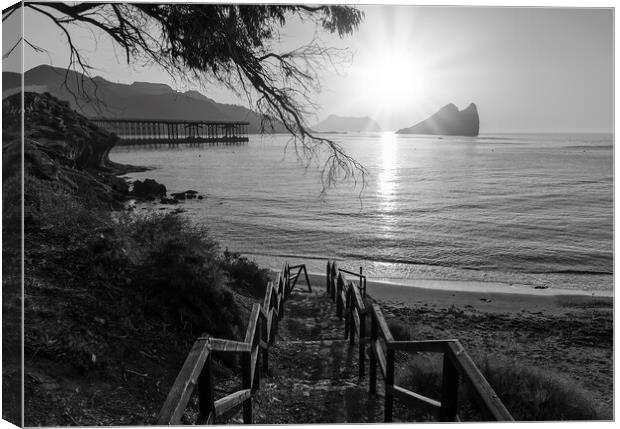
[338,124]
[11,80]
[448,121]
[140,100]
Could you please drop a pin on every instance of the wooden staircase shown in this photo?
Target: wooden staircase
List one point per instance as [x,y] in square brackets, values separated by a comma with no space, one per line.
[317,360]
[314,375]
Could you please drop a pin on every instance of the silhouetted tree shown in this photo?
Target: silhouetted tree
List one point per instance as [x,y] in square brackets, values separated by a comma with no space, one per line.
[229,44]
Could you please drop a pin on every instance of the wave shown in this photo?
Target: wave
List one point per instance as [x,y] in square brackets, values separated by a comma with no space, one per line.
[577,272]
[294,255]
[589,147]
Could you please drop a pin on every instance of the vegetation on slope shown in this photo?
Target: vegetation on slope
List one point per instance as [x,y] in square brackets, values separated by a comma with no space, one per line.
[113,300]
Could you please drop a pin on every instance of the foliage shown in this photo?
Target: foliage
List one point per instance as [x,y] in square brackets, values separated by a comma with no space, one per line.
[230,44]
[532,394]
[178,273]
[145,276]
[529,394]
[245,275]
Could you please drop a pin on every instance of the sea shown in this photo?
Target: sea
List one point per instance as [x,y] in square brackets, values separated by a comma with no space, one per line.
[528,210]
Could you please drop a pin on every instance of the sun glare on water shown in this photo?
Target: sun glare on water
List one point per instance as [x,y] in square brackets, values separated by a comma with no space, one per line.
[386,179]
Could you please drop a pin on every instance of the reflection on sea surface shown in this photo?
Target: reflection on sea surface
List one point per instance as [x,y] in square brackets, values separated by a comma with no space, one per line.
[534,208]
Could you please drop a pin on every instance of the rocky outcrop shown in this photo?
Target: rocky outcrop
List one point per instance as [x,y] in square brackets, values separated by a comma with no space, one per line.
[448,121]
[148,189]
[62,146]
[59,130]
[187,195]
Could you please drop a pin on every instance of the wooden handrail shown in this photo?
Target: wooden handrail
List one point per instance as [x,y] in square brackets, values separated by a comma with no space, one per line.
[251,330]
[457,364]
[487,397]
[414,399]
[181,391]
[231,401]
[361,276]
[350,305]
[342,270]
[382,325]
[262,326]
[228,346]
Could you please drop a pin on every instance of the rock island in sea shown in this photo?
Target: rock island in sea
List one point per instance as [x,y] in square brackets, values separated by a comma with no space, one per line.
[449,121]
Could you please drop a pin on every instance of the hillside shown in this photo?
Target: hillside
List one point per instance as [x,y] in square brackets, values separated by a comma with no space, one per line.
[113,301]
[139,100]
[339,124]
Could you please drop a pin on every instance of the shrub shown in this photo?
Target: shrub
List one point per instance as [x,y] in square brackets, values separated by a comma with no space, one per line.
[529,394]
[51,206]
[178,275]
[245,275]
[139,273]
[532,394]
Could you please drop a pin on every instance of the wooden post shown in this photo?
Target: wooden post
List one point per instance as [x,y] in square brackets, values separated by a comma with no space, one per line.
[347,316]
[287,274]
[328,277]
[373,358]
[339,303]
[256,349]
[389,383]
[333,280]
[266,340]
[281,286]
[307,278]
[274,315]
[362,348]
[205,393]
[247,384]
[449,391]
[362,283]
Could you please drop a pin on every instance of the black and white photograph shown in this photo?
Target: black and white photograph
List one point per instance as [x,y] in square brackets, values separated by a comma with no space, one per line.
[227,213]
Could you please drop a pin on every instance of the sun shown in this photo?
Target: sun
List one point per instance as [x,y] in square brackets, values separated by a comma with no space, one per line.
[391,80]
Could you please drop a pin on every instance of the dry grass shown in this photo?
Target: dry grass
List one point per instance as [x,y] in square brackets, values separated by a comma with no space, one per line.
[529,393]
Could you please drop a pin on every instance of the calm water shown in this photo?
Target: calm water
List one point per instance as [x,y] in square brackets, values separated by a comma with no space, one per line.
[526,209]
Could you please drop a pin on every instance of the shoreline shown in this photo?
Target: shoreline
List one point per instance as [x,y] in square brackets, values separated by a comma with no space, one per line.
[538,301]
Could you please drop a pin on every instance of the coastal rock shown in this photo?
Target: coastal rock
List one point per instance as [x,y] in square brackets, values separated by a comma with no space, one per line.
[168,201]
[118,184]
[62,146]
[148,189]
[187,195]
[59,131]
[448,121]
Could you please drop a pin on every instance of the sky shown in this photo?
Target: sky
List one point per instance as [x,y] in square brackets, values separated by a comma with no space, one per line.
[526,69]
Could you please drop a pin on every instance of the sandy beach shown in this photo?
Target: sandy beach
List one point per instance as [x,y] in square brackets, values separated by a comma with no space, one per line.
[567,336]
[444,294]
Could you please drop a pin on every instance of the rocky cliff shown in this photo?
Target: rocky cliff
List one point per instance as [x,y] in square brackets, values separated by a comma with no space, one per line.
[448,121]
[62,146]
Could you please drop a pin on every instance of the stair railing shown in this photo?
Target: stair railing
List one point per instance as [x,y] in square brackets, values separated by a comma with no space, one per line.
[457,364]
[197,369]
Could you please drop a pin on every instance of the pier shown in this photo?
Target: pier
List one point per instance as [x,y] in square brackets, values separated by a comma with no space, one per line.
[171,132]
